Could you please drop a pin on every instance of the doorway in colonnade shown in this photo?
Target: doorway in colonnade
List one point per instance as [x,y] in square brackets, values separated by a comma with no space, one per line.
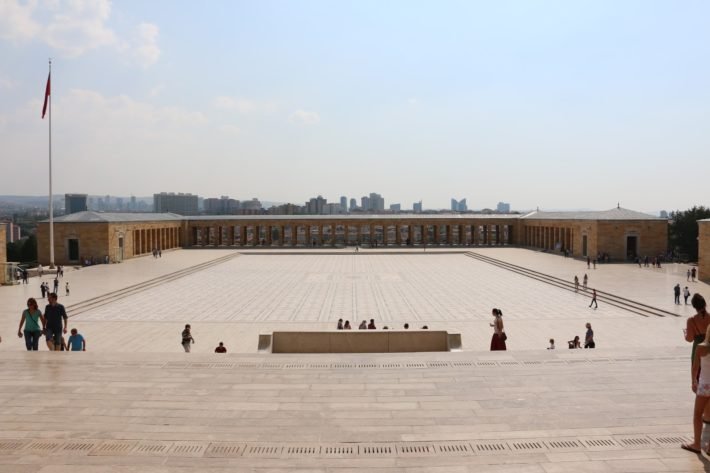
[350,237]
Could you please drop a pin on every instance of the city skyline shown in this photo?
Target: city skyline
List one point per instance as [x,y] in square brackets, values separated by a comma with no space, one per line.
[581,104]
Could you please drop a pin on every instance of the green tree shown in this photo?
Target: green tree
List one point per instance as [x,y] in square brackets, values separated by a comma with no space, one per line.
[23,251]
[683,230]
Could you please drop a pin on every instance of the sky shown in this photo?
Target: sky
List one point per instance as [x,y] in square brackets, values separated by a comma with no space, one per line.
[543,104]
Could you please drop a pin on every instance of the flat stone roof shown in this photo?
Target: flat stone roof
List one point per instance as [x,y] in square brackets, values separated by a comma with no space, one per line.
[617,213]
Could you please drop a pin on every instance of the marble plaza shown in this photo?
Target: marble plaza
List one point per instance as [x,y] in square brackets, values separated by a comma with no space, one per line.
[135,402]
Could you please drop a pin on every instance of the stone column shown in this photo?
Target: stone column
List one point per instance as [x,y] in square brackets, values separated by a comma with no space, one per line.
[321,235]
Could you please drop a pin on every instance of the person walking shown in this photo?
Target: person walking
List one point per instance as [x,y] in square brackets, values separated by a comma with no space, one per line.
[499,337]
[76,341]
[585,280]
[589,337]
[700,384]
[676,294]
[589,260]
[594,299]
[686,294]
[55,323]
[687,275]
[697,325]
[43,289]
[220,348]
[56,285]
[31,319]
[693,273]
[66,288]
[187,339]
[576,284]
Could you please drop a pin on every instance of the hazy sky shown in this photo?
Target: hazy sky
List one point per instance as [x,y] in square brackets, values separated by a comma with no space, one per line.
[556,104]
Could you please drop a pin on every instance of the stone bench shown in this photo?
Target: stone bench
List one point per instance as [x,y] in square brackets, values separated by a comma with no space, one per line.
[360,341]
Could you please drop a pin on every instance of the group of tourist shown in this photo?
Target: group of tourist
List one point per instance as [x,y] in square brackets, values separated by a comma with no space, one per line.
[368,326]
[188,340]
[576,343]
[52,324]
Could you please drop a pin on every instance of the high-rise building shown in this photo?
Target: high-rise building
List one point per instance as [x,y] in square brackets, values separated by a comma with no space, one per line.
[395,207]
[459,205]
[377,202]
[132,206]
[417,207]
[182,204]
[343,204]
[663,214]
[74,203]
[365,203]
[353,204]
[316,205]
[222,206]
[250,207]
[503,207]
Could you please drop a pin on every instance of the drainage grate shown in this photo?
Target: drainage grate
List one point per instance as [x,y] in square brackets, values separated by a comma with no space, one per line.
[669,439]
[222,365]
[43,446]
[438,364]
[272,366]
[456,448]
[151,448]
[532,362]
[338,450]
[320,366]
[527,446]
[224,450]
[376,450]
[341,365]
[391,365]
[9,446]
[600,443]
[462,363]
[368,365]
[489,447]
[264,451]
[635,442]
[509,363]
[415,450]
[302,451]
[113,447]
[567,444]
[486,363]
[77,447]
[290,366]
[415,365]
[188,449]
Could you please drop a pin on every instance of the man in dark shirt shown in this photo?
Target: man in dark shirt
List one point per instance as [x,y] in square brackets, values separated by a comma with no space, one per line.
[55,323]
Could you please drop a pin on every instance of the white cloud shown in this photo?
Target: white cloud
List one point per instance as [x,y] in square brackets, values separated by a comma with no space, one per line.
[75,27]
[304,117]
[16,22]
[230,129]
[145,47]
[243,105]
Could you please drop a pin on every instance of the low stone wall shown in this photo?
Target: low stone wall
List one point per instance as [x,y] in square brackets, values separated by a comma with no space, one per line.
[366,341]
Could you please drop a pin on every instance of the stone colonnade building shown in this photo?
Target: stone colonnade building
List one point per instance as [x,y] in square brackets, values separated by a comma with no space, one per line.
[98,237]
[4,268]
[704,250]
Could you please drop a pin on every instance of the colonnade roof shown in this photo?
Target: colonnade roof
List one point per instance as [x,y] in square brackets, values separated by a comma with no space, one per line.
[357,217]
[91,216]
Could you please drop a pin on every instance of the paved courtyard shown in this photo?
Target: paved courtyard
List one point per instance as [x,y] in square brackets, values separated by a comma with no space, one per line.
[135,402]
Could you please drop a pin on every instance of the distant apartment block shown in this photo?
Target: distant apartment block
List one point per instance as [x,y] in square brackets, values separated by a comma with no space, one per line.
[396,207]
[181,204]
[74,203]
[222,206]
[417,207]
[503,207]
[459,205]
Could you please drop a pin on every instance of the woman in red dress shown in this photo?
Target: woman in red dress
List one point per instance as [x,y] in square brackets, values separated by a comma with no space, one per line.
[499,336]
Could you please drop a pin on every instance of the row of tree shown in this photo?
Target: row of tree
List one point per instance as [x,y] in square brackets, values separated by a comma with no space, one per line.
[683,230]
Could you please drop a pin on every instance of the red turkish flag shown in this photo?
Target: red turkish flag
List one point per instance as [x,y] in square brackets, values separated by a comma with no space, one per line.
[46,95]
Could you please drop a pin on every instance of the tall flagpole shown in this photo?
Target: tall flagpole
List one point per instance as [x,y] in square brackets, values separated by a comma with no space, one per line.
[51,204]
